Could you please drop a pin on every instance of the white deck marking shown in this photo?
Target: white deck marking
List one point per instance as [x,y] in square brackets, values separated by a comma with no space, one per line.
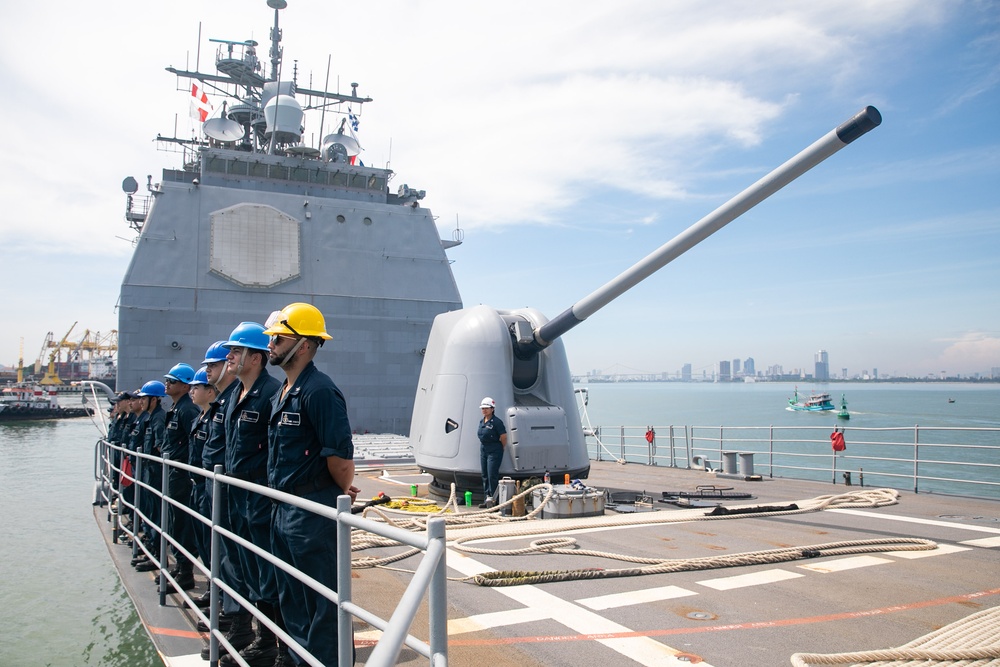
[193,660]
[838,564]
[941,550]
[642,650]
[983,542]
[753,579]
[926,522]
[497,619]
[635,597]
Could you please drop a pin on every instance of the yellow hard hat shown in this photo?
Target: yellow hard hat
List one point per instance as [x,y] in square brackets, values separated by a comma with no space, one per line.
[297,319]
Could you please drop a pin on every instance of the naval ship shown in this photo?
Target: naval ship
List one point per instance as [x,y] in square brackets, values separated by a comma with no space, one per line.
[254,218]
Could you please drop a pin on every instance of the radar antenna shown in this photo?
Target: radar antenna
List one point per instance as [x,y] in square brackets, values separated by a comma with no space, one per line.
[276,5]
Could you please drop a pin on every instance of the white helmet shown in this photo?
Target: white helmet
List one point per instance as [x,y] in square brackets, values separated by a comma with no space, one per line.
[488,403]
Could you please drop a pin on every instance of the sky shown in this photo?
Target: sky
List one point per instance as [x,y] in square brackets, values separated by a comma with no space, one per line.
[568,140]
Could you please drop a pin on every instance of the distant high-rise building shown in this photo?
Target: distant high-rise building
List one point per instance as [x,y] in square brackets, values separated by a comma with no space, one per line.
[748,367]
[843,373]
[736,367]
[686,372]
[822,371]
[725,374]
[874,373]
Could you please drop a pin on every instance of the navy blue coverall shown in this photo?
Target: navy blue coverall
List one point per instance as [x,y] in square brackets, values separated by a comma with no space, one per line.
[308,424]
[176,446]
[490,452]
[154,435]
[246,458]
[213,453]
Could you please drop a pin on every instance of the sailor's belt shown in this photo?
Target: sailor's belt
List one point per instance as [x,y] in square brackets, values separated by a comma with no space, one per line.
[318,484]
[250,476]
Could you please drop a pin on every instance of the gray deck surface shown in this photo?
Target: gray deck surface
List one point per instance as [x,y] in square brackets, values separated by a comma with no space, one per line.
[745,616]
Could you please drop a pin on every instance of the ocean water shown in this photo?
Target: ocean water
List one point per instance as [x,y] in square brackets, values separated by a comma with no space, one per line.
[874,405]
[62,605]
[61,602]
[880,433]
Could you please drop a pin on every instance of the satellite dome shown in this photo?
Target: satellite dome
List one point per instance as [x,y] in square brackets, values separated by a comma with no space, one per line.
[283,115]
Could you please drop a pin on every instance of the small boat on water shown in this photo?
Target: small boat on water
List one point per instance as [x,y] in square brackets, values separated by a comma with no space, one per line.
[28,402]
[815,402]
[843,414]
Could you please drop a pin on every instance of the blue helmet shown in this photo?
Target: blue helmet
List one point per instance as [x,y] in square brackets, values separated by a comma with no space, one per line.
[201,377]
[250,335]
[152,388]
[181,373]
[217,351]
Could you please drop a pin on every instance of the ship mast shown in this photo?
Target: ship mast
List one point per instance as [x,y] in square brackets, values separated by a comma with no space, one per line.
[275,52]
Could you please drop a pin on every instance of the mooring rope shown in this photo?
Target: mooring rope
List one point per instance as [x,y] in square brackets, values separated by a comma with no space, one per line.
[973,641]
[490,524]
[662,566]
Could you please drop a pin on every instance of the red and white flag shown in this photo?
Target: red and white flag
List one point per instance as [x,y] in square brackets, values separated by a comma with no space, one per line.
[201,108]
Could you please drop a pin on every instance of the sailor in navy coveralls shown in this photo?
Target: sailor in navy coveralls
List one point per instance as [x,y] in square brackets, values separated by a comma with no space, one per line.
[311,455]
[247,416]
[492,439]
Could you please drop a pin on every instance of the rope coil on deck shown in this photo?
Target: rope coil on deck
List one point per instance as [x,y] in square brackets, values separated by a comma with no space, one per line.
[486,524]
[973,641]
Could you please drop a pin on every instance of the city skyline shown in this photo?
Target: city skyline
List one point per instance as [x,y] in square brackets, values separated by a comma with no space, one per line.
[738,368]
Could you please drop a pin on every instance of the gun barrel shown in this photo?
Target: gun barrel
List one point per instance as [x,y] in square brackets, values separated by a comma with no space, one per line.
[864,121]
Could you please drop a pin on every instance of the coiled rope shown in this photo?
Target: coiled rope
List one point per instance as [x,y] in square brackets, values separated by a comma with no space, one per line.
[467,527]
[973,641]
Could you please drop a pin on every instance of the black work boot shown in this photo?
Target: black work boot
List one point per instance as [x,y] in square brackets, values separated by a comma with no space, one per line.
[264,649]
[284,658]
[240,633]
[184,577]
[225,622]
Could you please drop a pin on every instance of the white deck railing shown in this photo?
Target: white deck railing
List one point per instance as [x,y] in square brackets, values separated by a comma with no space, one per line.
[429,578]
[949,460]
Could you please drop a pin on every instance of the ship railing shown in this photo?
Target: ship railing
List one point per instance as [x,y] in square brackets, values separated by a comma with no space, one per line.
[931,459]
[429,579]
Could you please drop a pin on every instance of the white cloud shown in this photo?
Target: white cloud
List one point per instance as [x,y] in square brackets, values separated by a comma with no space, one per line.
[973,352]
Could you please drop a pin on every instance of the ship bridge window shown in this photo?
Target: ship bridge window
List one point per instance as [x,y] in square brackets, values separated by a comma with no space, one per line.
[300,174]
[376,183]
[338,178]
[258,169]
[359,181]
[238,167]
[317,176]
[216,165]
[279,172]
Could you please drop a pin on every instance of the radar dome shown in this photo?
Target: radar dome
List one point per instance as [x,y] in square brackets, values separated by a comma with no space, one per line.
[283,115]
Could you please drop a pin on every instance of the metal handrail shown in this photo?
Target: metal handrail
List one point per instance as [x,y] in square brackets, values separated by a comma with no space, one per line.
[429,578]
[938,459]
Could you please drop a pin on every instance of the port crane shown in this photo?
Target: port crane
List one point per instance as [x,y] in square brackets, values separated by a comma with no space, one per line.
[51,375]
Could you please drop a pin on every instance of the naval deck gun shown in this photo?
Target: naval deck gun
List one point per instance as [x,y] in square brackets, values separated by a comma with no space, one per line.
[516,357]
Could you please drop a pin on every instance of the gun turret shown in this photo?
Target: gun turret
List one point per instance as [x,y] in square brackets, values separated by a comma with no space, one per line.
[515,356]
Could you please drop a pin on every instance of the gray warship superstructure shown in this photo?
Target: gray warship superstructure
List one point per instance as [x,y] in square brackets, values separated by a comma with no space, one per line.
[255,219]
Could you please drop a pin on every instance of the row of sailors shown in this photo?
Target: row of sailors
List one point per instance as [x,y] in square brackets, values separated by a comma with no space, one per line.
[292,436]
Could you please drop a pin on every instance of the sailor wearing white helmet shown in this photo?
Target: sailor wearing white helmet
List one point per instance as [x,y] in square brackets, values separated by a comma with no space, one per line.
[492,439]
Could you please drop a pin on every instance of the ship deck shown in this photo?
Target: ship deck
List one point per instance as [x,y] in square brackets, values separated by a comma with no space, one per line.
[738,616]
